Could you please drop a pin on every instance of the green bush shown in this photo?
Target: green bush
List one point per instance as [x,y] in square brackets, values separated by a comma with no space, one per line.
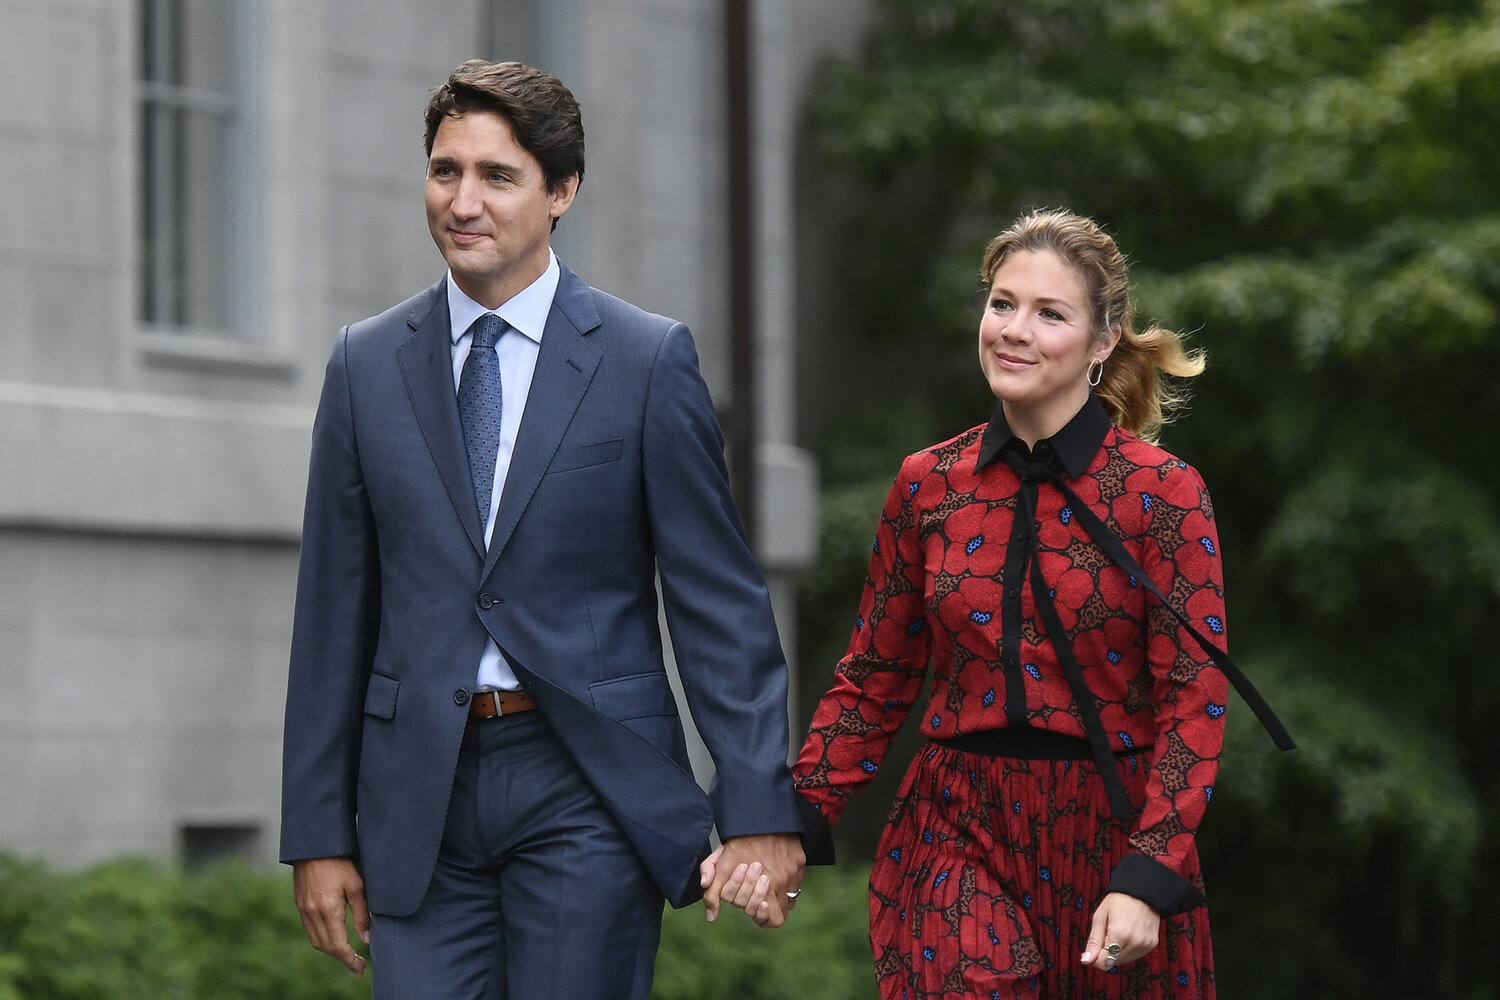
[823,951]
[141,930]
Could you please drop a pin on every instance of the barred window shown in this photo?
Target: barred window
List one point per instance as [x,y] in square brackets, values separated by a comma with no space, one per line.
[191,151]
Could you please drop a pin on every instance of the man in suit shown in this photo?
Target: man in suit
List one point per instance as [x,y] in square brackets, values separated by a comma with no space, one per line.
[483,760]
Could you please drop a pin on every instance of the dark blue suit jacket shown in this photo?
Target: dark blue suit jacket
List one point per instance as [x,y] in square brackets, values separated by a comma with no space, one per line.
[617,474]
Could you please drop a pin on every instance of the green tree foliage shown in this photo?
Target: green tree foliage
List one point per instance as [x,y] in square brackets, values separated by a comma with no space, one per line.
[1309,187]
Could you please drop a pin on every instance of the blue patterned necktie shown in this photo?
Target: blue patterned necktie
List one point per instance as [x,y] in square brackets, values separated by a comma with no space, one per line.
[479,407]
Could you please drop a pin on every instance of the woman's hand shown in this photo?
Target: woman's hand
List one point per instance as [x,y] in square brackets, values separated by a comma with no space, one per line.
[1125,921]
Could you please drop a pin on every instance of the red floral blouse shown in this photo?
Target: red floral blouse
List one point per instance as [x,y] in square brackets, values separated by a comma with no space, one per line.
[950,584]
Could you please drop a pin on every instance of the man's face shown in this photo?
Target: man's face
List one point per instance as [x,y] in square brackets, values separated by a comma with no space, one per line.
[488,206]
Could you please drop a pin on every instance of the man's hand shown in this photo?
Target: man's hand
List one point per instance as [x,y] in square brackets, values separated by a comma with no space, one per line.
[324,888]
[1125,921]
[756,874]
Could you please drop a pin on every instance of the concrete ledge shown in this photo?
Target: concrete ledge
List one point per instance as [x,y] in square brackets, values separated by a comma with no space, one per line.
[118,461]
[787,507]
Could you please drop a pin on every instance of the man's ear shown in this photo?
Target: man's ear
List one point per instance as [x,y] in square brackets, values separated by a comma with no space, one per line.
[562,195]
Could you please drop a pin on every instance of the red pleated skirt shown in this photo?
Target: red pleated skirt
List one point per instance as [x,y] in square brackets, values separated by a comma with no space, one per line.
[987,877]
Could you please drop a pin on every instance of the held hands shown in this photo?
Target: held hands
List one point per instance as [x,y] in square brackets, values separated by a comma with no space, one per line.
[324,887]
[758,874]
[1124,921]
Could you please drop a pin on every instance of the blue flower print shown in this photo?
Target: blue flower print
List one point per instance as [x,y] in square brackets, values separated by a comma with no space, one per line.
[1214,711]
[1031,668]
[911,488]
[1114,656]
[1045,874]
[1208,544]
[1215,624]
[859,623]
[1065,515]
[941,878]
[895,854]
[1146,502]
[929,954]
[989,698]
[916,626]
[980,617]
[868,766]
[974,543]
[1125,739]
[936,721]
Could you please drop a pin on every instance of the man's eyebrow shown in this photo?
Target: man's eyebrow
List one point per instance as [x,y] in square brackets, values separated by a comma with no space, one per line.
[449,161]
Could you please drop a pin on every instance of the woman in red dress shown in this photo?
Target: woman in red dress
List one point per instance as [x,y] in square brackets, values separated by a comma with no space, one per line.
[1057,574]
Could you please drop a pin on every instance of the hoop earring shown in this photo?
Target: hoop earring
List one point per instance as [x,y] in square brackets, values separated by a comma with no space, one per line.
[1095,375]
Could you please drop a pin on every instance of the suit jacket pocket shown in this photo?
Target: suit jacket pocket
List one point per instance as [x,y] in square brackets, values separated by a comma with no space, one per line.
[380,696]
[644,704]
[586,455]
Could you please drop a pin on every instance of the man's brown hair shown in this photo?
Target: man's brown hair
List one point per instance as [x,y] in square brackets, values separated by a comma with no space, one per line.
[542,112]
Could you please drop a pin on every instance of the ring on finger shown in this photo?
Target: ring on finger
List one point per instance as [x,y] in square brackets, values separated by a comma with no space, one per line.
[794,893]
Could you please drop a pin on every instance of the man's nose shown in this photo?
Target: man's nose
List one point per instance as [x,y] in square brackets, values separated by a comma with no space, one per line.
[466,198]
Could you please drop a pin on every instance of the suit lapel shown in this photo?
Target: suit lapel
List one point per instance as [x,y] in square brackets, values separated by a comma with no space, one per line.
[565,365]
[426,361]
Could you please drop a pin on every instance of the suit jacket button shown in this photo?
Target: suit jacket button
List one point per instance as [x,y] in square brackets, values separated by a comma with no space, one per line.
[486,601]
[461,696]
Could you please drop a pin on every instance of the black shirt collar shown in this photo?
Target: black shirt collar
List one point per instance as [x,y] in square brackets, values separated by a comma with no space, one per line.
[1074,446]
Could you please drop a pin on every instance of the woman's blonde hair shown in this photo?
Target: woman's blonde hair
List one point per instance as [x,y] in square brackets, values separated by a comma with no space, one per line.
[1131,389]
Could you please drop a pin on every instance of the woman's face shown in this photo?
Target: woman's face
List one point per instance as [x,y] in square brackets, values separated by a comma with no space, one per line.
[1036,341]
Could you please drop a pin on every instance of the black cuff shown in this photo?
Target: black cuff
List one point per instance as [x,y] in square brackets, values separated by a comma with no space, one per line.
[817,835]
[1152,882]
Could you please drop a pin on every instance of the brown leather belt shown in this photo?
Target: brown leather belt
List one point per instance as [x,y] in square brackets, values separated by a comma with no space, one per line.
[491,704]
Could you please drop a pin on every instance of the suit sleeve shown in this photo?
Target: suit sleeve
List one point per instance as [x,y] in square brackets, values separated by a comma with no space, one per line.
[336,616]
[718,610]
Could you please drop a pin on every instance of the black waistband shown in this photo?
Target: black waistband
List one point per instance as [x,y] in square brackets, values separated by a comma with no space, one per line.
[1025,743]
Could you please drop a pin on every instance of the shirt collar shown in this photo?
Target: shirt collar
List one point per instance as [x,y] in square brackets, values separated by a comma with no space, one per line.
[1075,445]
[526,311]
